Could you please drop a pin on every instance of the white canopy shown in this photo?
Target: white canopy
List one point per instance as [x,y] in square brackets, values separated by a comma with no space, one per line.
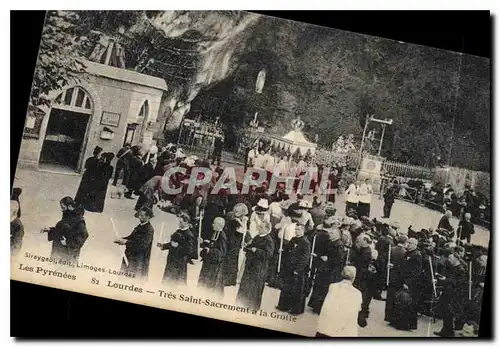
[294,139]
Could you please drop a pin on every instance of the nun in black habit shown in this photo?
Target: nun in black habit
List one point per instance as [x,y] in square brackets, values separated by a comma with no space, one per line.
[258,256]
[103,175]
[138,245]
[213,253]
[180,251]
[87,190]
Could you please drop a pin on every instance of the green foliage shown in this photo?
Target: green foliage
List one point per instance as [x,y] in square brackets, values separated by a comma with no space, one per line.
[58,59]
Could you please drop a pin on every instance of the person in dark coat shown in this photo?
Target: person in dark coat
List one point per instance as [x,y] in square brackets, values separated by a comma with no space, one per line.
[382,247]
[103,175]
[135,167]
[14,196]
[318,213]
[180,250]
[453,296]
[333,184]
[405,316]
[69,234]
[147,197]
[396,276]
[366,276]
[217,153]
[236,230]
[122,165]
[16,229]
[259,253]
[465,228]
[138,245]
[86,193]
[77,235]
[329,265]
[295,271]
[213,253]
[444,226]
[389,198]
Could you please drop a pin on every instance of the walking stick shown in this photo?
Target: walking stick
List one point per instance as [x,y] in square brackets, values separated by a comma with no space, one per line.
[388,265]
[281,249]
[118,237]
[470,280]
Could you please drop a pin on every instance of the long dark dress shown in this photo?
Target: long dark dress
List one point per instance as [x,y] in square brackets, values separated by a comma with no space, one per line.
[212,270]
[327,272]
[73,229]
[256,270]
[412,273]
[16,236]
[396,279]
[55,235]
[103,175]
[138,250]
[77,235]
[295,270]
[86,193]
[231,261]
[178,257]
[135,175]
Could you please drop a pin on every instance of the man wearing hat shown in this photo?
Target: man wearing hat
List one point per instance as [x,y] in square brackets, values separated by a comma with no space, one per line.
[396,276]
[213,254]
[138,245]
[329,262]
[295,271]
[237,234]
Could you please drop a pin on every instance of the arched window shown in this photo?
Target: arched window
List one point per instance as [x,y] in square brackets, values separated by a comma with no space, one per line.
[143,112]
[74,99]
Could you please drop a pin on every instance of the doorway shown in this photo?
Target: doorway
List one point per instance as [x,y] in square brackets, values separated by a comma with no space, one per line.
[64,139]
[64,144]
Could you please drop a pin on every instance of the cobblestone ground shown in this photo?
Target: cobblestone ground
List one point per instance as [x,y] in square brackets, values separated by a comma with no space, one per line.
[40,207]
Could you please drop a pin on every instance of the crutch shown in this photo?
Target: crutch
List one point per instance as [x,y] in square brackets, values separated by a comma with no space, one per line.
[118,237]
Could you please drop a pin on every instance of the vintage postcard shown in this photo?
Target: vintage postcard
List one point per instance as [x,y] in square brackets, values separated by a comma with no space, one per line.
[256,170]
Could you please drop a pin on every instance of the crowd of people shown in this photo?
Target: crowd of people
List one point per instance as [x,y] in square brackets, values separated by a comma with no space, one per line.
[297,244]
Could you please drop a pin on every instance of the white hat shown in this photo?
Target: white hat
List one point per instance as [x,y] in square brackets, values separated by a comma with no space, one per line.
[304,204]
[262,206]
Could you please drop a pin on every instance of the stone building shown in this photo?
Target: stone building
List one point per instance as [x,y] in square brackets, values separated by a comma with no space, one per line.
[109,107]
